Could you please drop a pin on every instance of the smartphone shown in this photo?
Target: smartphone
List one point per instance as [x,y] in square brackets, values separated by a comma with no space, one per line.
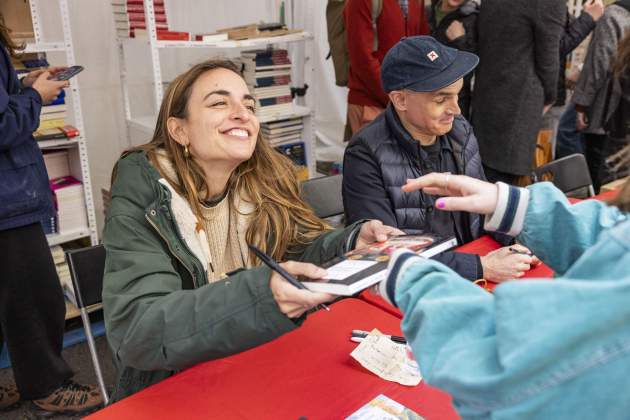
[67,73]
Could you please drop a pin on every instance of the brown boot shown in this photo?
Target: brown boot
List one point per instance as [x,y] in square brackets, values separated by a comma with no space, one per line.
[70,398]
[9,397]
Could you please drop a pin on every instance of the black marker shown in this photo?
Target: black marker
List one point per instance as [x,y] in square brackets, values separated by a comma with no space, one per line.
[269,262]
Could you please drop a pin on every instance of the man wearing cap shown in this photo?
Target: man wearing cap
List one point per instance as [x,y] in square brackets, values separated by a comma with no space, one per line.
[421,132]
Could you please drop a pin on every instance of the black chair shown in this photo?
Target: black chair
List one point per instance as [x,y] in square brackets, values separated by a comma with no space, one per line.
[569,174]
[86,270]
[324,195]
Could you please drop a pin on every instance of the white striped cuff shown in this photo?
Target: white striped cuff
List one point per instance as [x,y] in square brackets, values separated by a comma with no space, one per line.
[509,215]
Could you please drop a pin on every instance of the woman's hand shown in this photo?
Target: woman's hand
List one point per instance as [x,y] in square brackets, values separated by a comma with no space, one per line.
[29,79]
[582,121]
[463,192]
[503,264]
[293,302]
[48,89]
[375,231]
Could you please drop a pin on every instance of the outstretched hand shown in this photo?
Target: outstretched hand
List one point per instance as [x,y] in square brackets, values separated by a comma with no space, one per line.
[460,192]
[375,231]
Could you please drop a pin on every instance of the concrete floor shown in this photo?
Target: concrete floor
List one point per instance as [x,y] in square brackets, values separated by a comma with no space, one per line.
[78,356]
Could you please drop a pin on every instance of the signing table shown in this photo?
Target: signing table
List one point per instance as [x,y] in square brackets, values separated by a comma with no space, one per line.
[307,373]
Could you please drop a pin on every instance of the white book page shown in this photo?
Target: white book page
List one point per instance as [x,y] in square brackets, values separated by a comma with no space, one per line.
[347,268]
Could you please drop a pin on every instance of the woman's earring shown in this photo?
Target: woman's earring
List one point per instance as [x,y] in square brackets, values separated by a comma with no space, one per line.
[186,152]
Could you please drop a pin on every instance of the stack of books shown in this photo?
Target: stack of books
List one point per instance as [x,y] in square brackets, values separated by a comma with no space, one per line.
[129,17]
[286,136]
[56,162]
[268,76]
[53,115]
[257,30]
[69,203]
[63,271]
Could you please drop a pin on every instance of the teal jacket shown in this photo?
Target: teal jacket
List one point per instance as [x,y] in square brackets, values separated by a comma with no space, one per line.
[535,349]
[161,315]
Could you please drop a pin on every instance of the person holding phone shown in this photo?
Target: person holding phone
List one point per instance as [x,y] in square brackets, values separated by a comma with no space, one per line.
[32,308]
[534,349]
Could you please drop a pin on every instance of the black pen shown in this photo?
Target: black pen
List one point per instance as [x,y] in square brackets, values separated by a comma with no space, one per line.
[517,251]
[269,262]
[360,335]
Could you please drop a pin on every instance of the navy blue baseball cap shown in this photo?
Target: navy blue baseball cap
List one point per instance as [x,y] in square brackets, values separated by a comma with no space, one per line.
[422,64]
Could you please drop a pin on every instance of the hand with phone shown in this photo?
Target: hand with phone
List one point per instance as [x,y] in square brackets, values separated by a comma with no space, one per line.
[67,73]
[47,88]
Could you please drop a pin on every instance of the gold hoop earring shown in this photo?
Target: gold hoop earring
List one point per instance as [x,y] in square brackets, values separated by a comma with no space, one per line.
[186,152]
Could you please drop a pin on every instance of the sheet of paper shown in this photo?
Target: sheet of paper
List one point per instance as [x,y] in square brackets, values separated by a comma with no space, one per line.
[387,359]
[384,408]
[347,268]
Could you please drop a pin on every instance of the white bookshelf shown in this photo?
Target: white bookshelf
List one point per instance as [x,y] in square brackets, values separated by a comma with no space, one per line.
[62,45]
[145,123]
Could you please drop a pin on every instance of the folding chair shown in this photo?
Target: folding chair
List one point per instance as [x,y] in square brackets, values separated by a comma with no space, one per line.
[86,270]
[324,195]
[569,174]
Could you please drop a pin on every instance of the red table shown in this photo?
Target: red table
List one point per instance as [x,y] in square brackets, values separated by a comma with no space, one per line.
[308,372]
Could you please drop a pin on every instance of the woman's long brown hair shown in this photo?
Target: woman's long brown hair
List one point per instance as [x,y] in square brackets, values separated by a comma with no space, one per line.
[6,40]
[621,161]
[281,221]
[621,64]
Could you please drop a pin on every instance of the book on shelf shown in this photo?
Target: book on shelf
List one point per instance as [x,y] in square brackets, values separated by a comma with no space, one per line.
[51,109]
[61,115]
[261,30]
[57,164]
[46,124]
[135,3]
[132,25]
[56,133]
[284,138]
[297,128]
[282,123]
[135,8]
[364,267]
[213,37]
[163,35]
[276,100]
[61,266]
[294,151]
[140,17]
[69,203]
[275,111]
[272,91]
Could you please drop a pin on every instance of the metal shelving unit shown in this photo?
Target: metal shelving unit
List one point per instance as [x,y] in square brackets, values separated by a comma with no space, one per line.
[146,123]
[77,147]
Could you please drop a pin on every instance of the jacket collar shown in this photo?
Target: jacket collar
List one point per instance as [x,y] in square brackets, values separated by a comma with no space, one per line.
[410,145]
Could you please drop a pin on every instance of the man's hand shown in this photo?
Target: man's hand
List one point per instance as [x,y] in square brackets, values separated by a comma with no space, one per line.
[503,264]
[455,30]
[595,8]
[375,231]
[582,122]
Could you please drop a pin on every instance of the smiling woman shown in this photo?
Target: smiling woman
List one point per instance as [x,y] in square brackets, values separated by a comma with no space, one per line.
[184,208]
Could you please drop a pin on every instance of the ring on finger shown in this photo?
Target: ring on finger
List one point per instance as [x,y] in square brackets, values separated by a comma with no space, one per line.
[448,175]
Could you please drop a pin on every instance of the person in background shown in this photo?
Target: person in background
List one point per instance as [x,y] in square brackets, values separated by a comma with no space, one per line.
[32,307]
[534,349]
[592,95]
[181,285]
[516,81]
[421,131]
[568,139]
[454,23]
[398,19]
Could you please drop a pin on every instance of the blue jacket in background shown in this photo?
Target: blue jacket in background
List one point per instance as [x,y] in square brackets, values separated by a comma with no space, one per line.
[25,196]
[536,349]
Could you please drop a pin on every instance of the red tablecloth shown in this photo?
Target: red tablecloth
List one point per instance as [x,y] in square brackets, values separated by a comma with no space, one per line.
[308,372]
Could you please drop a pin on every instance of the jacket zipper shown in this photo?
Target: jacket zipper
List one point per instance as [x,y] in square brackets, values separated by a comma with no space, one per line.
[194,279]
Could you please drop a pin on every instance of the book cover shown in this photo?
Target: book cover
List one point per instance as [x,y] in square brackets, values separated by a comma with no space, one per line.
[295,152]
[214,37]
[362,268]
[45,124]
[384,408]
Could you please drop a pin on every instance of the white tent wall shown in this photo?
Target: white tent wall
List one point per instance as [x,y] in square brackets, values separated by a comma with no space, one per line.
[96,49]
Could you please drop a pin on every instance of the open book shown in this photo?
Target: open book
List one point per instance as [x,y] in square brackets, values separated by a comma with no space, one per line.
[361,268]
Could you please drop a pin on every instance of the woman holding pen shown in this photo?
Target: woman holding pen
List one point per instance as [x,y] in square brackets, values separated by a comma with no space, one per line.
[181,285]
[534,349]
[32,309]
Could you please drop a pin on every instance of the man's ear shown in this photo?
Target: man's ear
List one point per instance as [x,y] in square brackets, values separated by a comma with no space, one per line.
[399,100]
[177,131]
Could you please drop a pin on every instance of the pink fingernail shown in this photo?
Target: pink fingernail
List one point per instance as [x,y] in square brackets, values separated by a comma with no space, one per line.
[440,204]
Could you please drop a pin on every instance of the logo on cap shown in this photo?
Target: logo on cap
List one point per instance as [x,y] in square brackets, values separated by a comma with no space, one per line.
[433,56]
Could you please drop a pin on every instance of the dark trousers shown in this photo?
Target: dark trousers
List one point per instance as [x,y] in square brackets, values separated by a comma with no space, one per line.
[32,312]
[492,175]
[598,149]
[568,139]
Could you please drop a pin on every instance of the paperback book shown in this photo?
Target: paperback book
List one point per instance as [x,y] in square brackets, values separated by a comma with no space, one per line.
[364,267]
